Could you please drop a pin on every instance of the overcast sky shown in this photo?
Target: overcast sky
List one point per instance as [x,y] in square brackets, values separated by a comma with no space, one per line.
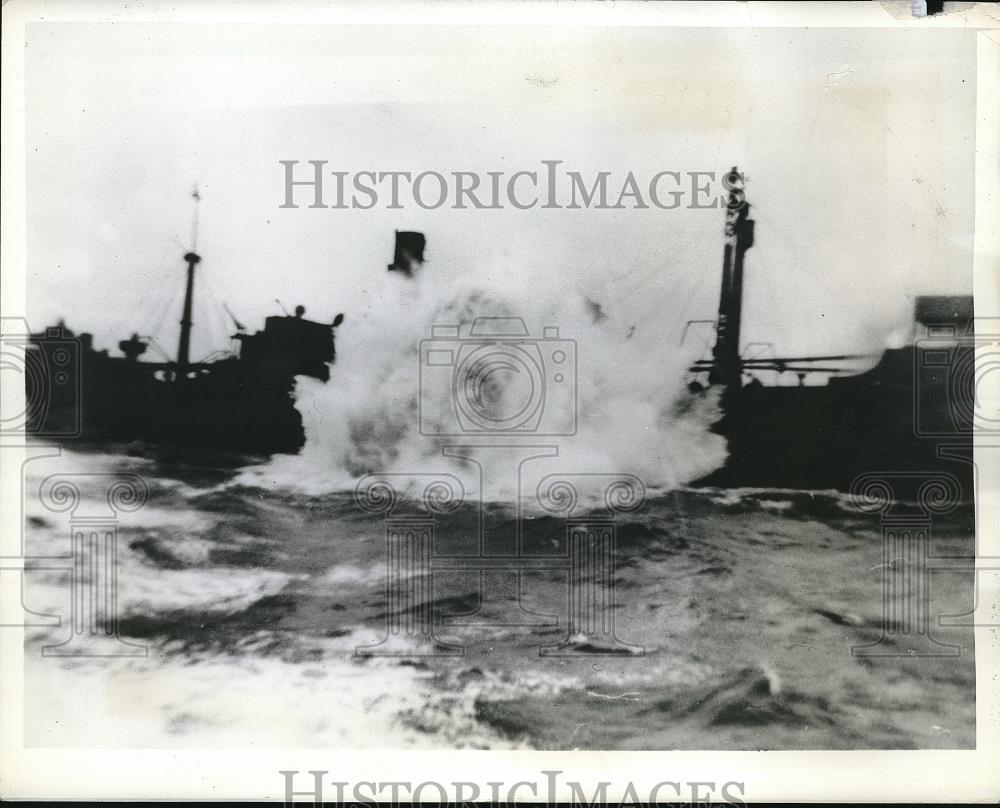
[858,147]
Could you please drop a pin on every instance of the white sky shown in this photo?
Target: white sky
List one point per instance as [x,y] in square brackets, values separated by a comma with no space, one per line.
[858,147]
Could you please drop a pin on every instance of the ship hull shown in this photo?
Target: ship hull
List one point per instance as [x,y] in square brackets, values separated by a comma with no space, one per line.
[222,407]
[895,418]
[241,404]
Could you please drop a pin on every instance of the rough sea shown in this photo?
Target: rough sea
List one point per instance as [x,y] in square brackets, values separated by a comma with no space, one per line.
[259,587]
[735,612]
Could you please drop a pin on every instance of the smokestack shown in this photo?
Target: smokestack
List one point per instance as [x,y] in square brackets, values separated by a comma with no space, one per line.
[409,252]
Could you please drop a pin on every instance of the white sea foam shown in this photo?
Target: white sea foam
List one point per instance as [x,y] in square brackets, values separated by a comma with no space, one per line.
[635,414]
[350,575]
[145,589]
[326,702]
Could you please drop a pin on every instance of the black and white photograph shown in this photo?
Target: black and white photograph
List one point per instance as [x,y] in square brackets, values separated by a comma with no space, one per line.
[477,384]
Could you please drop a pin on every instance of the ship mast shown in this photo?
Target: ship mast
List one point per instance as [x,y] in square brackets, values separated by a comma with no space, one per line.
[192,258]
[727,367]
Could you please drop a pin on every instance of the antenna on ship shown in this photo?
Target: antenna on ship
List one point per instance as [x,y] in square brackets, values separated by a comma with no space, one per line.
[239,326]
[193,259]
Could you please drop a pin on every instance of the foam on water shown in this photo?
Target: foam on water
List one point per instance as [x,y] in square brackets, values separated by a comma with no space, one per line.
[253,605]
[348,575]
[635,413]
[239,701]
[147,590]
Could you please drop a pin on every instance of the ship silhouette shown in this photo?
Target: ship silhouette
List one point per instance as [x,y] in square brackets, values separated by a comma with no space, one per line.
[242,401]
[913,411]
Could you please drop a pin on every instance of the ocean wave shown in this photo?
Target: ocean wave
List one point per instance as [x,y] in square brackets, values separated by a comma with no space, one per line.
[383,412]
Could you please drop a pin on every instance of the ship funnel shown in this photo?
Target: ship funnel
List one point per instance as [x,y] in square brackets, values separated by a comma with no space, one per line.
[409,255]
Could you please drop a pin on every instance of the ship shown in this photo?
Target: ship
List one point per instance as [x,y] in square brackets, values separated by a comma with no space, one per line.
[912,411]
[238,401]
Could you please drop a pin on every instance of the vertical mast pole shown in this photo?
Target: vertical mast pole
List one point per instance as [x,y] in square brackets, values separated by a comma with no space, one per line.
[192,258]
[727,367]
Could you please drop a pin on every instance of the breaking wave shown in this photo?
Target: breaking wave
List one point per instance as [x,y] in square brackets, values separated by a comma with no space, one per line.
[391,407]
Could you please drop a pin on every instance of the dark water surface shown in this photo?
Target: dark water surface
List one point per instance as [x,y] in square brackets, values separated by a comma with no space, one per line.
[735,612]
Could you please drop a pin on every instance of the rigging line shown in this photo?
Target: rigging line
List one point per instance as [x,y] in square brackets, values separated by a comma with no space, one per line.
[212,356]
[636,276]
[686,289]
[649,271]
[205,305]
[212,291]
[153,300]
[653,307]
[156,329]
[214,316]
[671,293]
[128,318]
[224,328]
[648,275]
[763,282]
[156,346]
[205,332]
[133,321]
[649,304]
[696,285]
[119,322]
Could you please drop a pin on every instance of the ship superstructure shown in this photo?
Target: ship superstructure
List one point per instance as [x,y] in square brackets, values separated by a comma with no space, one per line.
[240,401]
[910,411]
